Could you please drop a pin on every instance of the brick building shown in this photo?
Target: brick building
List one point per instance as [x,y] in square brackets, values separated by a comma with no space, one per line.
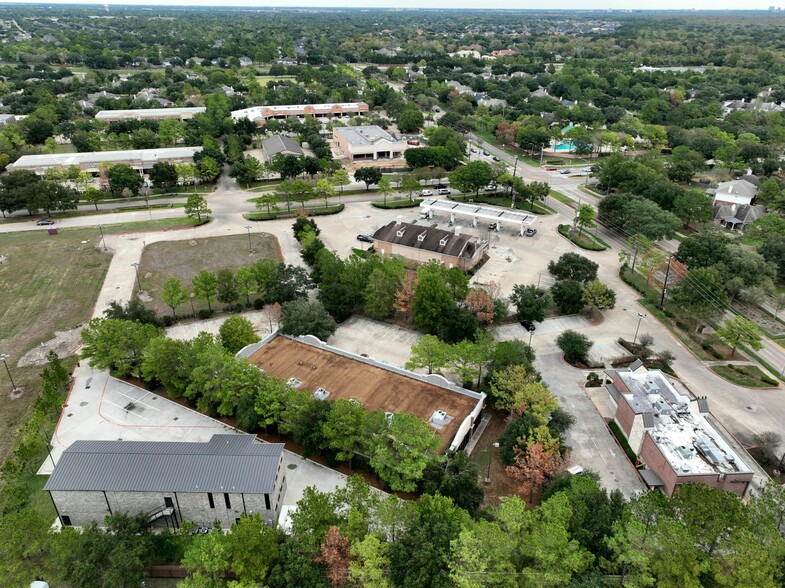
[170,482]
[673,433]
[261,114]
[423,244]
[368,143]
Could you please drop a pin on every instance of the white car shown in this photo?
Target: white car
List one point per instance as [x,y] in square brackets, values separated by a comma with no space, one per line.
[426,193]
[444,192]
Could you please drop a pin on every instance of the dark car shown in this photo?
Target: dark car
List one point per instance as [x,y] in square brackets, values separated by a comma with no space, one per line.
[492,226]
[564,172]
[365,238]
[530,232]
[496,158]
[440,186]
[485,153]
[45,222]
[529,326]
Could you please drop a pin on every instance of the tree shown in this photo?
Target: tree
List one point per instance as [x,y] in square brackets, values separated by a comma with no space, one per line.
[410,120]
[428,352]
[701,295]
[530,302]
[515,388]
[122,176]
[568,296]
[410,186]
[300,317]
[703,249]
[383,283]
[401,454]
[163,175]
[174,294]
[205,286]
[573,266]
[253,546]
[117,345]
[209,170]
[226,287]
[636,245]
[325,190]
[93,196]
[575,346]
[334,555]
[534,466]
[196,206]
[385,188]
[295,568]
[344,429]
[246,170]
[740,331]
[237,332]
[432,299]
[508,353]
[454,476]
[597,295]
[406,295]
[369,175]
[207,559]
[472,177]
[268,200]
[25,543]
[647,218]
[584,217]
[340,178]
[693,206]
[481,305]
[368,568]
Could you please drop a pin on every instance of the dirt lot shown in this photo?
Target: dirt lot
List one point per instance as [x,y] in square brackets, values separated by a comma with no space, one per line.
[501,484]
[185,259]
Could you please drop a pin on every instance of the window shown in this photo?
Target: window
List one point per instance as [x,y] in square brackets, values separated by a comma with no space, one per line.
[267,501]
[66,521]
[226,500]
[210,499]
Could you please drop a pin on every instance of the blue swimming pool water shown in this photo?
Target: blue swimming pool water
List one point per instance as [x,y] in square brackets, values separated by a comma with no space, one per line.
[564,146]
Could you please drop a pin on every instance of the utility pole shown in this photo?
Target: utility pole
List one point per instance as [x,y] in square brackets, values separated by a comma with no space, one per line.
[4,359]
[665,283]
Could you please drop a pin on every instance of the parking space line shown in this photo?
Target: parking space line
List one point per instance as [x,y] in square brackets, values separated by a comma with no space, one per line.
[127,412]
[139,400]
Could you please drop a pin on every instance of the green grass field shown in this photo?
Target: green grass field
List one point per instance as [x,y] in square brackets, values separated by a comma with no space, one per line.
[744,375]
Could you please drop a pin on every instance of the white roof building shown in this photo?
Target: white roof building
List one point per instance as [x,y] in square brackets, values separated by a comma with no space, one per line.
[91,161]
[368,142]
[149,113]
[735,192]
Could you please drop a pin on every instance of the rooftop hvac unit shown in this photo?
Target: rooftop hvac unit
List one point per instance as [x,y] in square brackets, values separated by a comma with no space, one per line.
[321,393]
[293,383]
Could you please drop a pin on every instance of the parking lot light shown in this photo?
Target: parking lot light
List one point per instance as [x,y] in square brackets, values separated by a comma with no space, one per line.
[4,359]
[641,316]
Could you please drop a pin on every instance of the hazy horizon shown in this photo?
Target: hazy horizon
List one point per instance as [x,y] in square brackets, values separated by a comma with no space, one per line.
[566,5]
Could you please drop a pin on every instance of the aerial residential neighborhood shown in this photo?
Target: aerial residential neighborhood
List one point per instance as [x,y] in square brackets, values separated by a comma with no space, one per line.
[384,296]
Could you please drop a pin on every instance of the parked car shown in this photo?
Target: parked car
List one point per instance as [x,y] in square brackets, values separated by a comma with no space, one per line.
[440,186]
[444,192]
[529,326]
[365,238]
[496,158]
[412,142]
[529,232]
[493,226]
[490,188]
[586,170]
[551,168]
[473,150]
[485,153]
[426,193]
[564,172]
[45,222]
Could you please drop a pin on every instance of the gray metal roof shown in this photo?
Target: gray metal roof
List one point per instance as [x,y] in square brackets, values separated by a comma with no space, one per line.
[280,144]
[226,463]
[145,156]
[148,112]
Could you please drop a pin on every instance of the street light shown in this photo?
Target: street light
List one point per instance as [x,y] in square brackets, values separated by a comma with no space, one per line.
[248,228]
[531,332]
[4,358]
[136,269]
[101,228]
[641,316]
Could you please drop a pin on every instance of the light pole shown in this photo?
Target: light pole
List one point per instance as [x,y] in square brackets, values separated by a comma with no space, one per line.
[531,332]
[4,358]
[248,228]
[101,228]
[136,269]
[191,298]
[641,316]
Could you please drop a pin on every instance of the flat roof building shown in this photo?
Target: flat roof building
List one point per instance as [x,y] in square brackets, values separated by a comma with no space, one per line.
[139,159]
[673,433]
[169,482]
[261,114]
[330,373]
[368,143]
[423,244]
[149,113]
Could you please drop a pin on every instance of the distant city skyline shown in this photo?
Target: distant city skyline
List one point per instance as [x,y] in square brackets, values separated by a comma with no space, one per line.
[437,4]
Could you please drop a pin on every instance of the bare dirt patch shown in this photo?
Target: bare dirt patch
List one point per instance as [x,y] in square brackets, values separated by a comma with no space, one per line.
[64,344]
[500,484]
[185,259]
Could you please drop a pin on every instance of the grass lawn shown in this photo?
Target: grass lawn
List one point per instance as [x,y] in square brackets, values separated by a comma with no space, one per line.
[744,375]
[264,79]
[185,259]
[564,199]
[751,241]
[584,239]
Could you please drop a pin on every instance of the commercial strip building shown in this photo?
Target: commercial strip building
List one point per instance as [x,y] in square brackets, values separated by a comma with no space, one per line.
[494,214]
[170,481]
[368,143]
[673,433]
[139,159]
[261,114]
[424,244]
[329,373]
[149,114]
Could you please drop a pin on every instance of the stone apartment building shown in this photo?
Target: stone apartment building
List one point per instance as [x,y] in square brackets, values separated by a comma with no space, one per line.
[169,482]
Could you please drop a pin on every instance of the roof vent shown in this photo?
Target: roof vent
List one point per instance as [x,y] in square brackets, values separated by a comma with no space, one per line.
[293,383]
[321,393]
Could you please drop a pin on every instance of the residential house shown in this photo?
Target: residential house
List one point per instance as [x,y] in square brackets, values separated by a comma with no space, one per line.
[734,192]
[738,216]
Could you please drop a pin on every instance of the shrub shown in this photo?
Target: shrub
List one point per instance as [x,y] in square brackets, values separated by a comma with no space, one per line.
[204,314]
[575,346]
[593,380]
[770,381]
[167,320]
[682,326]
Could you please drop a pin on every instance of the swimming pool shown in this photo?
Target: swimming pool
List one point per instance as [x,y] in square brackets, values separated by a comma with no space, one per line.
[564,146]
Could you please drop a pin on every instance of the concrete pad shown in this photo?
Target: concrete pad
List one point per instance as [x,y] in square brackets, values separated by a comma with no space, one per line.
[378,340]
[188,330]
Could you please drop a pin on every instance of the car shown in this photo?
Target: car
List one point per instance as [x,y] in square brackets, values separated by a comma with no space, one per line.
[426,193]
[493,226]
[45,222]
[365,238]
[473,150]
[530,232]
[490,188]
[551,168]
[440,186]
[528,325]
[564,172]
[586,170]
[496,158]
[412,142]
[485,153]
[444,192]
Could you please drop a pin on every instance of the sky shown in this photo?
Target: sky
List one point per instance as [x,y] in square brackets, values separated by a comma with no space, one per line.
[484,4]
